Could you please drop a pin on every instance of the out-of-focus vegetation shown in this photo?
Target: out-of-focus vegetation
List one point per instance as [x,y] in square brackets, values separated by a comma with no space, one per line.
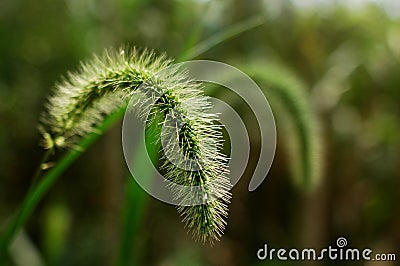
[347,60]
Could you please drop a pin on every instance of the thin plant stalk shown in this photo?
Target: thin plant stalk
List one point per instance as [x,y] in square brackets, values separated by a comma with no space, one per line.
[43,185]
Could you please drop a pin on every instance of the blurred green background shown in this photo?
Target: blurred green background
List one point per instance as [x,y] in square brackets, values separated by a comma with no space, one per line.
[347,53]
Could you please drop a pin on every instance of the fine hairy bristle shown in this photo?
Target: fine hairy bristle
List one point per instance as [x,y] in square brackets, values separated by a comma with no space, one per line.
[191,136]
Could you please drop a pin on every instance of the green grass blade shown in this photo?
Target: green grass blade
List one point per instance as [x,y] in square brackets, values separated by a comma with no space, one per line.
[222,36]
[136,198]
[195,35]
[134,209]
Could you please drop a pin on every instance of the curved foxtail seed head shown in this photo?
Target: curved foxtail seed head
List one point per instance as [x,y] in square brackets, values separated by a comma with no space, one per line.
[83,98]
[105,83]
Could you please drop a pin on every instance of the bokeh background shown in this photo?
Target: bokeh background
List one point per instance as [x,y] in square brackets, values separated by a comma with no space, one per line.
[347,53]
